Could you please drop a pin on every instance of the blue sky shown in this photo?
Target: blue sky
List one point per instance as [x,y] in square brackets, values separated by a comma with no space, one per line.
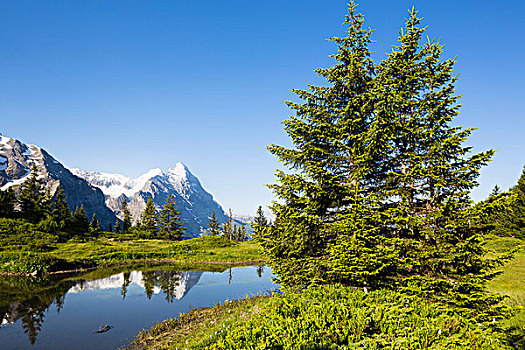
[125,86]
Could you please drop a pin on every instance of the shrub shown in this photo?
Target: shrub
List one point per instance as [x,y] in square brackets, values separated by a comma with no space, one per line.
[332,316]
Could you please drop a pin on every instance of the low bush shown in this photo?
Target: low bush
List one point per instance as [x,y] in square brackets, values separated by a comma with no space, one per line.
[332,316]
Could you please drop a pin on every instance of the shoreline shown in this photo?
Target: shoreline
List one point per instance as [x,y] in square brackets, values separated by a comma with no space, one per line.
[134,262]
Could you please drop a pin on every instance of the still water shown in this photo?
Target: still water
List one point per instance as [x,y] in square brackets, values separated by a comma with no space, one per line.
[65,312]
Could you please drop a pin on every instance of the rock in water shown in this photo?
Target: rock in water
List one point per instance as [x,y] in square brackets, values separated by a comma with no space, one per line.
[103,329]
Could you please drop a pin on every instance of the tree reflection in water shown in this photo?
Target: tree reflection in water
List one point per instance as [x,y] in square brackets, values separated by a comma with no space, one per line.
[28,299]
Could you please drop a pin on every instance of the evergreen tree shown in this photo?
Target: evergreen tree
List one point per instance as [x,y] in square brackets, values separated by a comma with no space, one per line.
[214,228]
[7,203]
[170,224]
[32,197]
[508,220]
[243,236]
[495,191]
[61,212]
[94,226]
[227,227]
[330,150]
[379,196]
[110,228]
[148,222]
[79,222]
[126,223]
[117,226]
[260,224]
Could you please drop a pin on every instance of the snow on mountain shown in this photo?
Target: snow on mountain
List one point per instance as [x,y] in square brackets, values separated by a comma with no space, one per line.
[193,201]
[115,185]
[103,193]
[185,281]
[16,161]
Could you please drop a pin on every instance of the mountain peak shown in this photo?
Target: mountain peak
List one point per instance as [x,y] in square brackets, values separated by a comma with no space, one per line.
[150,174]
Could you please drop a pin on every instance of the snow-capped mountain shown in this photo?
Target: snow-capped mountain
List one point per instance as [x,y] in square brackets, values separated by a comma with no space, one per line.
[103,193]
[183,281]
[16,160]
[193,201]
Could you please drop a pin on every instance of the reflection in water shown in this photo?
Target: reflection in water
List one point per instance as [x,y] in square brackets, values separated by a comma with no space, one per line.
[173,284]
[260,270]
[28,300]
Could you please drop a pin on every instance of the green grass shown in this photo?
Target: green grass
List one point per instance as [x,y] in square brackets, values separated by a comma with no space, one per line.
[512,281]
[335,317]
[107,251]
[195,328]
[323,317]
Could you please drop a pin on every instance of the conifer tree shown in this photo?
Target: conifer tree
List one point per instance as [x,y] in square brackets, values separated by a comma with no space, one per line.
[94,226]
[148,222]
[227,227]
[214,228]
[244,233]
[79,222]
[170,224]
[509,220]
[329,134]
[260,224]
[117,226]
[495,191]
[61,212]
[379,196]
[126,223]
[7,203]
[32,197]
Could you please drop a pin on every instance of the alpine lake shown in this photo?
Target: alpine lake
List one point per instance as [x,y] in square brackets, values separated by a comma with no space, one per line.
[106,308]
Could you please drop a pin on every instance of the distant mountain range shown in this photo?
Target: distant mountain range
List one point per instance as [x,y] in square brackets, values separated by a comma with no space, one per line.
[193,202]
[103,193]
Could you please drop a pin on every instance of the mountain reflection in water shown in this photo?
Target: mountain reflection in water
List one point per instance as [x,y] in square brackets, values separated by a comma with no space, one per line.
[173,284]
[30,300]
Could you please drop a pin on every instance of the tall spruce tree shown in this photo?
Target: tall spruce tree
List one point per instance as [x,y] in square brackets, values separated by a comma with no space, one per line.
[379,197]
[117,226]
[126,223]
[61,212]
[214,227]
[243,233]
[80,222]
[260,224]
[94,226]
[7,203]
[148,222]
[508,220]
[227,227]
[328,133]
[170,225]
[32,198]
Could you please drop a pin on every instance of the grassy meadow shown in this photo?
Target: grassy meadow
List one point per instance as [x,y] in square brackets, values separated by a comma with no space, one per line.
[344,316]
[512,281]
[107,251]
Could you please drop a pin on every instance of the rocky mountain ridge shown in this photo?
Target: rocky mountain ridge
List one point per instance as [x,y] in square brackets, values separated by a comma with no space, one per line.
[103,193]
[16,160]
[193,201]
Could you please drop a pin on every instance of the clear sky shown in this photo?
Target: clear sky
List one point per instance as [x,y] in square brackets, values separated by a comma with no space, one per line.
[126,86]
